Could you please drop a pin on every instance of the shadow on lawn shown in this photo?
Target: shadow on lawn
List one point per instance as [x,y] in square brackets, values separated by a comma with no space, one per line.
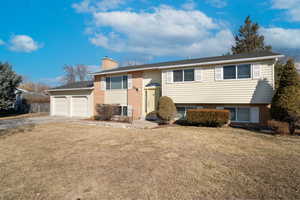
[16,130]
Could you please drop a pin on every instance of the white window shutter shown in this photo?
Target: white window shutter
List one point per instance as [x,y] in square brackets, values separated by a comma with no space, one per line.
[198,74]
[129,110]
[129,80]
[220,108]
[170,76]
[256,71]
[103,83]
[218,73]
[254,114]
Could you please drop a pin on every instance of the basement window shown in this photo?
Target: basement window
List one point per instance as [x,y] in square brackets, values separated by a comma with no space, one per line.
[239,114]
[121,111]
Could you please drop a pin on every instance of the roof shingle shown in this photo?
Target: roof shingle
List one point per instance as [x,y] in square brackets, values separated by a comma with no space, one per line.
[79,84]
[192,61]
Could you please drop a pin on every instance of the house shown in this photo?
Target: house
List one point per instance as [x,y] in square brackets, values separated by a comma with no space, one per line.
[28,101]
[243,84]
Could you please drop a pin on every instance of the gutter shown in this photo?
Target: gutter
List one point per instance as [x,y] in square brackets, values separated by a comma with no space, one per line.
[191,64]
[70,89]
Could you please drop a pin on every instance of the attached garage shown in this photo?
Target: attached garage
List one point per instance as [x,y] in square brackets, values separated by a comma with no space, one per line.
[79,106]
[72,100]
[60,106]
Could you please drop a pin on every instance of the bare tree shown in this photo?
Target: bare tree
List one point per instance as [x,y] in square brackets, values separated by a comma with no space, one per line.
[79,72]
[82,72]
[70,74]
[34,87]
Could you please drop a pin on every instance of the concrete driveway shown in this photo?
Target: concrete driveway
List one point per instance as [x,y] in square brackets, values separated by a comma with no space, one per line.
[14,123]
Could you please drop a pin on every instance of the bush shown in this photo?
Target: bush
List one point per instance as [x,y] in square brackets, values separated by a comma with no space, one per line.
[208,117]
[286,100]
[105,111]
[279,127]
[166,109]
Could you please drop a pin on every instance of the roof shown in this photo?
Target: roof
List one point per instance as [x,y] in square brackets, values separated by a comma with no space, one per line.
[75,85]
[20,90]
[206,60]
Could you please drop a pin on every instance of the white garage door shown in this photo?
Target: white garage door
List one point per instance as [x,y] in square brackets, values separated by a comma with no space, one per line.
[80,106]
[60,106]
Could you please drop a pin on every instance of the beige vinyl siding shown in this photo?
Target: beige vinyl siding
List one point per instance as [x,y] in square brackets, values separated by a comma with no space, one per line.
[223,91]
[118,96]
[151,77]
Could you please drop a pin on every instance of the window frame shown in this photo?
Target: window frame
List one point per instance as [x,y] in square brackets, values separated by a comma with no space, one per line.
[236,71]
[122,82]
[185,109]
[122,110]
[183,81]
[236,113]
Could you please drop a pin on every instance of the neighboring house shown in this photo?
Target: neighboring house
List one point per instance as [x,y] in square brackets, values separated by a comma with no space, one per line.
[27,101]
[243,84]
[19,96]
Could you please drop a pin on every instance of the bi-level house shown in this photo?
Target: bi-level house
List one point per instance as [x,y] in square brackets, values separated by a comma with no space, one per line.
[243,84]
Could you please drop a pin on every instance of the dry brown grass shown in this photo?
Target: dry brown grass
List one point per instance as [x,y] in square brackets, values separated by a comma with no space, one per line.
[72,161]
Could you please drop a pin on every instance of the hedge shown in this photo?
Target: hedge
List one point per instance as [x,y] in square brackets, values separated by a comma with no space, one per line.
[208,117]
[105,111]
[279,127]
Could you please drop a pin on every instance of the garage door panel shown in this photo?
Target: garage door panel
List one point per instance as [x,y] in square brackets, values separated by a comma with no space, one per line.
[60,106]
[80,106]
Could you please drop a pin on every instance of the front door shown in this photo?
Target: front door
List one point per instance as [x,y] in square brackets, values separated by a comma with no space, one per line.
[152,96]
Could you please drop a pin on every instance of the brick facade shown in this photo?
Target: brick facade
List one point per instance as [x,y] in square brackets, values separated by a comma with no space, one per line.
[135,95]
[98,93]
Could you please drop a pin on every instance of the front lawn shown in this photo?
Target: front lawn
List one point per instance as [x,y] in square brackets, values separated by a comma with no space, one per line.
[74,161]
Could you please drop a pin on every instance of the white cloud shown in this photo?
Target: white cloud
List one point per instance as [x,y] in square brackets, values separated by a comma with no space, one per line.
[189,5]
[23,43]
[282,38]
[217,3]
[291,7]
[164,31]
[2,42]
[96,5]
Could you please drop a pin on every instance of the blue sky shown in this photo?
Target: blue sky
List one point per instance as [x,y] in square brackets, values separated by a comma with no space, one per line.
[39,37]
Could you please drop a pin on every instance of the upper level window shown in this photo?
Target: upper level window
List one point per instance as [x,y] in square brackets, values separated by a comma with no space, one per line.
[183,75]
[107,80]
[189,75]
[237,71]
[178,75]
[244,71]
[229,72]
[125,79]
[116,82]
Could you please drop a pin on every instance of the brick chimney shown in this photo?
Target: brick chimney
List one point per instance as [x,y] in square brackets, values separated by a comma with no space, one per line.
[108,63]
